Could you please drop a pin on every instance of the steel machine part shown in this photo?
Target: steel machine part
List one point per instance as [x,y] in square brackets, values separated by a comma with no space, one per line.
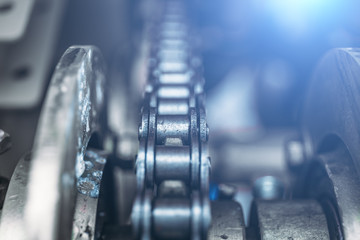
[88,185]
[41,33]
[173,136]
[13,209]
[69,117]
[67,187]
[291,220]
[227,221]
[17,13]
[333,178]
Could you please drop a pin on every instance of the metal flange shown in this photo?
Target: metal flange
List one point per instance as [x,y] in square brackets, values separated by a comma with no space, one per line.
[69,116]
[331,137]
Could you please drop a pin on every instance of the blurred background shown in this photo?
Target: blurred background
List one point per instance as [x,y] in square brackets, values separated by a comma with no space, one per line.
[258,57]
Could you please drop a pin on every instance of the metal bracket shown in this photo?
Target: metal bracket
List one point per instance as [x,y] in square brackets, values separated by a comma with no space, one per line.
[25,63]
[14,17]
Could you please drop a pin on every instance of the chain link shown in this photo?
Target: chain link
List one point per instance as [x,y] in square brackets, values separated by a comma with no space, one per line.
[173,166]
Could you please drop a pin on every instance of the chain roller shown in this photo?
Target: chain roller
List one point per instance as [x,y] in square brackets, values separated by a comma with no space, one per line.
[173,165]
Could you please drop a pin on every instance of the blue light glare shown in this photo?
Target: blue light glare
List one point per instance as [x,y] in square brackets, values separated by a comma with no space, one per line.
[297,17]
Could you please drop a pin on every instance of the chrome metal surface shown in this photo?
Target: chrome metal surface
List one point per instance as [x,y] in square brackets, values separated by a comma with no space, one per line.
[88,186]
[54,193]
[173,137]
[12,217]
[172,163]
[69,117]
[171,218]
